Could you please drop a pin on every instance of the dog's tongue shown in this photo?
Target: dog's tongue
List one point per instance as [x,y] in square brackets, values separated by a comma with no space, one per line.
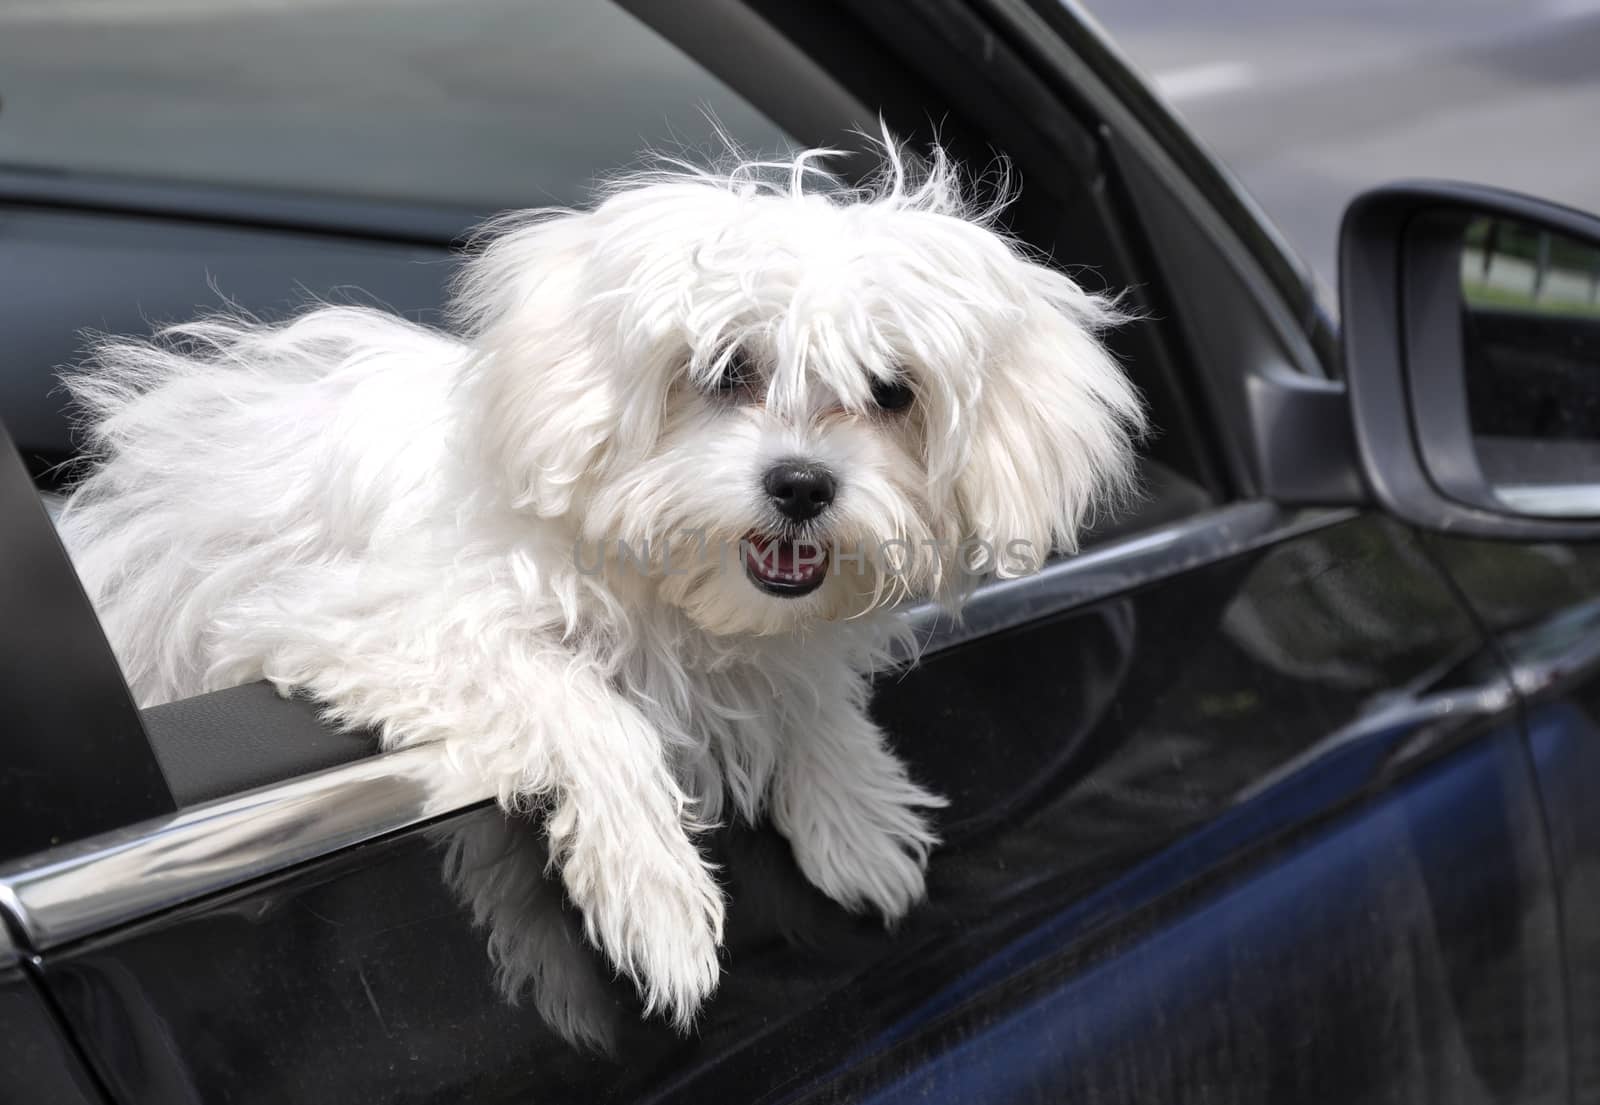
[779,560]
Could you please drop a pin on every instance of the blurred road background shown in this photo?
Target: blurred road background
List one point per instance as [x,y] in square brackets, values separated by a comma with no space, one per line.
[482,103]
[1311,101]
[489,102]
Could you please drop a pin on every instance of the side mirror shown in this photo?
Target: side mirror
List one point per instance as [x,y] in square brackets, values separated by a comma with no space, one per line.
[1472,358]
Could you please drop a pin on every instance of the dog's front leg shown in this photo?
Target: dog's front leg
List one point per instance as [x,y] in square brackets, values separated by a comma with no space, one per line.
[617,832]
[852,814]
[543,731]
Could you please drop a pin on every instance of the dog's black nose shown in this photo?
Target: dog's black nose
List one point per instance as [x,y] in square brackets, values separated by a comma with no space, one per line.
[799,490]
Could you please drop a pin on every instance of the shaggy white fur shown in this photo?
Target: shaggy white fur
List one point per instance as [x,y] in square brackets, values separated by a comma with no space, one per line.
[550,538]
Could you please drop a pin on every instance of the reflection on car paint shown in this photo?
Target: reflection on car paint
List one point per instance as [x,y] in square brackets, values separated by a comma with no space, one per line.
[1124,779]
[1540,601]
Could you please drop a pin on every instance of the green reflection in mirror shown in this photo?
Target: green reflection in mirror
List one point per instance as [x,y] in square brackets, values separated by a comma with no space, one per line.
[1530,331]
[1514,266]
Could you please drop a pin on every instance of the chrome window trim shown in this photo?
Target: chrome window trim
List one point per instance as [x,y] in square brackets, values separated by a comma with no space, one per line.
[79,889]
[91,886]
[1115,567]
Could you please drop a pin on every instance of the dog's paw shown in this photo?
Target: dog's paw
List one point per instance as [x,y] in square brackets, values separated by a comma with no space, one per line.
[869,849]
[658,917]
[673,944]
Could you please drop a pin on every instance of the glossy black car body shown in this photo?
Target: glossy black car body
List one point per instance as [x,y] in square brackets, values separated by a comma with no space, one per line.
[1249,802]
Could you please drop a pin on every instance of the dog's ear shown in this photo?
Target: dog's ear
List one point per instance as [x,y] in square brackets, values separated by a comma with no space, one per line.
[545,410]
[1052,432]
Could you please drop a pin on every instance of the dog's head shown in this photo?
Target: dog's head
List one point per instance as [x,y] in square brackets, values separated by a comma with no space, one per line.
[783,400]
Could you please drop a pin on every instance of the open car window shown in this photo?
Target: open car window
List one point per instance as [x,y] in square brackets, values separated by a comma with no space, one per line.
[127,257]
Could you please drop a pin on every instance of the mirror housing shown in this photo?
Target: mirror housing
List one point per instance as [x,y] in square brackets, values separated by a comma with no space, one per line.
[1406,361]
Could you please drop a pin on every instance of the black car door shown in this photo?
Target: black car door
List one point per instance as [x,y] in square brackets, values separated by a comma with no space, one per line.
[1497,323]
[40,1059]
[1240,806]
[1542,604]
[1207,842]
[1533,396]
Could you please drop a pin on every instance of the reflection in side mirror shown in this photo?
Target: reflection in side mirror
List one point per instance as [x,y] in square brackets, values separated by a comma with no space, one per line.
[1530,337]
[1472,359]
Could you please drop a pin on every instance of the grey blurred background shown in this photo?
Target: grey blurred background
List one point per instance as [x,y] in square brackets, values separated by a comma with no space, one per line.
[1311,101]
[517,102]
[482,103]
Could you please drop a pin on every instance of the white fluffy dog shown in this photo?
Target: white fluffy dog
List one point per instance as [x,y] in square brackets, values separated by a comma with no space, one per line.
[625,540]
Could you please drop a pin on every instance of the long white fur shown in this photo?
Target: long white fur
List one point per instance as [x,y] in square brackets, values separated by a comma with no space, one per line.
[385,517]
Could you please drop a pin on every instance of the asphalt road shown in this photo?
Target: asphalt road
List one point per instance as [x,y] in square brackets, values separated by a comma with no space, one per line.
[1312,101]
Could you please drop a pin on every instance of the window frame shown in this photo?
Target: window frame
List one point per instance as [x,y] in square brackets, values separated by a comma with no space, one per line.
[77,761]
[79,890]
[47,894]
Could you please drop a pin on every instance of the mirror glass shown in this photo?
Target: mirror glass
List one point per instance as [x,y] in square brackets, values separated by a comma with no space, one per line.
[1531,343]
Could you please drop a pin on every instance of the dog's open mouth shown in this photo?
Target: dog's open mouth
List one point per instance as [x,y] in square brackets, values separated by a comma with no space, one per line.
[787,569]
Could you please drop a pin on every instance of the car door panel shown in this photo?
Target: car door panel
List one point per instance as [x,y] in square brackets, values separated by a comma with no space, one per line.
[1564,736]
[1344,969]
[1542,603]
[1302,731]
[41,1065]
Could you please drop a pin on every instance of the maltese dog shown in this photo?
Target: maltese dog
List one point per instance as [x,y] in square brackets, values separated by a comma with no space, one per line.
[627,537]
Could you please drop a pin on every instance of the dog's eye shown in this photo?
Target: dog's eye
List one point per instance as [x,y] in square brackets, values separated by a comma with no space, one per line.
[738,374]
[893,394]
